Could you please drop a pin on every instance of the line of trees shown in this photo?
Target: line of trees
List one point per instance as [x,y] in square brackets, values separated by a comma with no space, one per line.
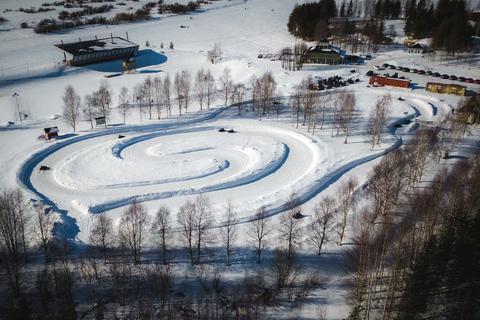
[139,258]
[74,19]
[414,246]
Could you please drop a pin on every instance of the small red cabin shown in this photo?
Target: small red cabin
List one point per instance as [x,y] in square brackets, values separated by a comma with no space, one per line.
[50,132]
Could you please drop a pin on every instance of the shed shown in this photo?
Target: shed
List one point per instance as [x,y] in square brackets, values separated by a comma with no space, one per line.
[447,88]
[50,132]
[97,50]
[100,121]
[384,81]
[417,48]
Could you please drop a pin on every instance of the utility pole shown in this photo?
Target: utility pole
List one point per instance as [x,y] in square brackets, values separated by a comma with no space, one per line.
[15,95]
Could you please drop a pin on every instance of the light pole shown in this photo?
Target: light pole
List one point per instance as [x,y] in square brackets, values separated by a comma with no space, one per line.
[15,95]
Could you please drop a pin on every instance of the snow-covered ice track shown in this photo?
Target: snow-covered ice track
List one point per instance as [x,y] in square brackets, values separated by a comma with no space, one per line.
[257,165]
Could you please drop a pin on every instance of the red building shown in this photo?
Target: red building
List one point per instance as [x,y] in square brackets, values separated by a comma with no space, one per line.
[384,81]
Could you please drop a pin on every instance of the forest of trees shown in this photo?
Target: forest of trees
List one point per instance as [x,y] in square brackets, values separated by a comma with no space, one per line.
[446,24]
[306,17]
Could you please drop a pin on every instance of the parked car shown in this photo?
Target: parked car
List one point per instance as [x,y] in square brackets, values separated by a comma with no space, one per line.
[421,72]
[385,65]
[395,75]
[414,70]
[469,80]
[399,68]
[444,76]
[401,77]
[369,73]
[462,79]
[391,66]
[476,81]
[428,73]
[406,69]
[452,77]
[435,74]
[376,67]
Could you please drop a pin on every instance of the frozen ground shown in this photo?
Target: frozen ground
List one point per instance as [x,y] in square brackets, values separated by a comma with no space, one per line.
[171,160]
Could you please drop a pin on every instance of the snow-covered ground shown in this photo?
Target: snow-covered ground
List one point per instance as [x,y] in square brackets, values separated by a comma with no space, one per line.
[171,160]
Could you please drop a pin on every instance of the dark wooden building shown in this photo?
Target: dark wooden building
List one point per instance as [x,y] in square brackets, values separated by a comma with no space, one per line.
[97,50]
[50,132]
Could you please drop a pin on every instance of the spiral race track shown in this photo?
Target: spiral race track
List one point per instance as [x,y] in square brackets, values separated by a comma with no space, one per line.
[259,164]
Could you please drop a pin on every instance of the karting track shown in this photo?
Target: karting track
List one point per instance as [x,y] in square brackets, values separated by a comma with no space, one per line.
[259,164]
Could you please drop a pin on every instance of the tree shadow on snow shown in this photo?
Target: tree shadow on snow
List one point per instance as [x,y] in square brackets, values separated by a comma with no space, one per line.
[145,58]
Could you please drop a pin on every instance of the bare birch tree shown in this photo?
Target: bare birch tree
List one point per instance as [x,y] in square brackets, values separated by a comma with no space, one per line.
[204,221]
[186,84]
[227,84]
[162,230]
[322,222]
[289,224]
[44,228]
[177,84]
[259,231]
[124,103]
[377,117]
[200,87]
[265,91]
[186,220]
[102,235]
[238,96]
[132,227]
[89,108]
[71,107]
[349,103]
[346,200]
[158,95]
[166,90]
[210,87]
[385,183]
[215,54]
[140,97]
[229,231]
[148,89]
[103,99]
[195,220]
[12,239]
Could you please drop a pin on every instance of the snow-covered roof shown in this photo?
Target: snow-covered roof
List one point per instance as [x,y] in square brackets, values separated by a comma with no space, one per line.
[51,130]
[96,45]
